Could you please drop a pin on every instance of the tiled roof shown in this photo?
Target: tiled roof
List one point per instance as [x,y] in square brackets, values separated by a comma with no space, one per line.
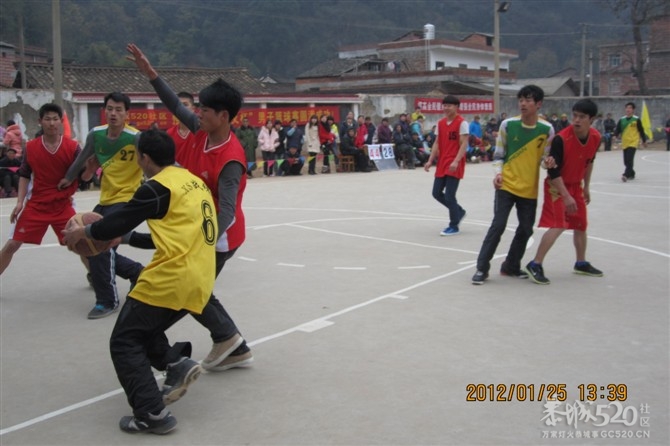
[420,88]
[130,80]
[332,67]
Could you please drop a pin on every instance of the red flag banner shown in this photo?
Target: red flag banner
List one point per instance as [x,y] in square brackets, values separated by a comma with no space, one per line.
[143,118]
[468,106]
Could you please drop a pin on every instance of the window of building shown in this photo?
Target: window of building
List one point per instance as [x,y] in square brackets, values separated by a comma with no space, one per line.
[615,60]
[462,65]
[439,65]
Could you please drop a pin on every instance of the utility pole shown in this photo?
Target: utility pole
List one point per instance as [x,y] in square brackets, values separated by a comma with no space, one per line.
[22,49]
[57,60]
[590,73]
[497,9]
[583,60]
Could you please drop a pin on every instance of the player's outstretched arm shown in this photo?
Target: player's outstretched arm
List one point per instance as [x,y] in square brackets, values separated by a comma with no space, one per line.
[143,64]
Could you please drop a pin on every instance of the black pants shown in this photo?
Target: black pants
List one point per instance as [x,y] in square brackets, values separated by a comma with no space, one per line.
[292,166]
[214,316]
[327,150]
[312,162]
[269,163]
[502,206]
[9,180]
[628,159]
[138,342]
[107,265]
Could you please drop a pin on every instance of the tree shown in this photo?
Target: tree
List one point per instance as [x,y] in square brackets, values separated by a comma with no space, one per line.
[641,13]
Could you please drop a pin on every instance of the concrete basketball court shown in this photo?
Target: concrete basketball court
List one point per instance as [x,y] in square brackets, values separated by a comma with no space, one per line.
[365,327]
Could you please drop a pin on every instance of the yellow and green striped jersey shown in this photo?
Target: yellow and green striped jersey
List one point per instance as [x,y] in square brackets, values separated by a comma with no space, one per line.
[521,149]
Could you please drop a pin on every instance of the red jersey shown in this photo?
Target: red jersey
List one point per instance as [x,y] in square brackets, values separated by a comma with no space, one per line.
[208,164]
[449,141]
[577,156]
[47,169]
[181,143]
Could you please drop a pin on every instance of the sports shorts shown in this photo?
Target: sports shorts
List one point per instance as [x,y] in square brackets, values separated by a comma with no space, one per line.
[33,222]
[553,209]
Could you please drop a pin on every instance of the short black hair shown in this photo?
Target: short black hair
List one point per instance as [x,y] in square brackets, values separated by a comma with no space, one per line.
[46,108]
[118,97]
[451,99]
[186,95]
[631,104]
[11,122]
[531,92]
[586,106]
[157,145]
[221,96]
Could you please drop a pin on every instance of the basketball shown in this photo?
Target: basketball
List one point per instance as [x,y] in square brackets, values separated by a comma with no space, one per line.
[85,246]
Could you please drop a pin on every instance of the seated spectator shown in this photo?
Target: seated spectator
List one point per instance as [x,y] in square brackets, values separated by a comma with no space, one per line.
[491,132]
[9,172]
[13,138]
[383,133]
[348,147]
[417,127]
[420,152]
[475,151]
[403,147]
[293,162]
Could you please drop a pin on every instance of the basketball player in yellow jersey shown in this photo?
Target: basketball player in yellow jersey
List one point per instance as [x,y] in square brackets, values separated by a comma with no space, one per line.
[114,147]
[181,216]
[522,143]
[630,130]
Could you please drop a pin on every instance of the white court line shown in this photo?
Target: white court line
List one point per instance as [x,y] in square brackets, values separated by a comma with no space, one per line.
[629,195]
[369,237]
[350,268]
[247,259]
[312,325]
[415,267]
[294,265]
[62,411]
[322,322]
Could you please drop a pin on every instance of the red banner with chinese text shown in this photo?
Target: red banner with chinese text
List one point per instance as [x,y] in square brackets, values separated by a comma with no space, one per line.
[143,118]
[258,116]
[468,106]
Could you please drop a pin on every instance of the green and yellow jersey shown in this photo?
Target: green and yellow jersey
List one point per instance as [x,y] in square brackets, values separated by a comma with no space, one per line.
[121,174]
[521,149]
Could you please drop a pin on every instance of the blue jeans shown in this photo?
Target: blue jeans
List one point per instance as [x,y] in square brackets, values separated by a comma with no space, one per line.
[502,206]
[444,191]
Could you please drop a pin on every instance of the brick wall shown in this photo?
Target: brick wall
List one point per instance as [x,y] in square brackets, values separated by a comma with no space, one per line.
[658,74]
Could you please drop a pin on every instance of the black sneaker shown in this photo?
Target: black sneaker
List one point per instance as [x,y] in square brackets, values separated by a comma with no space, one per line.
[177,379]
[588,270]
[150,425]
[506,271]
[536,273]
[479,277]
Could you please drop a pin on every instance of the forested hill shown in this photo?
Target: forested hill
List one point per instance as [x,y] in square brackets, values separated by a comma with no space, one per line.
[284,38]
